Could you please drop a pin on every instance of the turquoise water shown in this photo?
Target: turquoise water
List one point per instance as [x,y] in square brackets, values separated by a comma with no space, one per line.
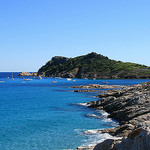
[41,115]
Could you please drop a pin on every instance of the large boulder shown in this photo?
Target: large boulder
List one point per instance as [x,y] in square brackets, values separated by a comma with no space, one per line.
[109,144]
[139,139]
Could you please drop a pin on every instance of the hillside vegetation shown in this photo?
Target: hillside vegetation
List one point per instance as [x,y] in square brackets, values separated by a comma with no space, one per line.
[93,65]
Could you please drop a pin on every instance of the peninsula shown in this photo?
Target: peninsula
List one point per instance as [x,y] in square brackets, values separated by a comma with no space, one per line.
[129,105]
[91,66]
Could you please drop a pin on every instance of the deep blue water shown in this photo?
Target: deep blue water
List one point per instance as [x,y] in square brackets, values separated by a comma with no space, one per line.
[41,115]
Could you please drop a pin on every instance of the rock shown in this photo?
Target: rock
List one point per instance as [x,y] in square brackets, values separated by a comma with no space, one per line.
[144,124]
[97,86]
[121,131]
[115,93]
[135,132]
[67,75]
[84,90]
[130,106]
[34,74]
[109,144]
[141,121]
[27,74]
[142,141]
[133,102]
[139,141]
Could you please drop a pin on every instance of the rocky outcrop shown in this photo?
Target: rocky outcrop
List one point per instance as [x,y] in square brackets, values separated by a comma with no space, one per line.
[27,74]
[97,86]
[110,144]
[121,131]
[67,75]
[91,66]
[84,90]
[139,139]
[129,105]
[140,142]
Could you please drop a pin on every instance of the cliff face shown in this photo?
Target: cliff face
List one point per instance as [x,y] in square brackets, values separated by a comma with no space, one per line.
[93,65]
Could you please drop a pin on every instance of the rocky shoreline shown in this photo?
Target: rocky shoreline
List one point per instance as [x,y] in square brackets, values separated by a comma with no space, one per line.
[98,86]
[130,105]
[27,74]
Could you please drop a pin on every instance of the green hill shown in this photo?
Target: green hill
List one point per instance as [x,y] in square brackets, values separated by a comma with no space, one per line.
[93,65]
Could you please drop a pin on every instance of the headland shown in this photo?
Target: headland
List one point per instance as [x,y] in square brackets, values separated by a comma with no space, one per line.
[130,105]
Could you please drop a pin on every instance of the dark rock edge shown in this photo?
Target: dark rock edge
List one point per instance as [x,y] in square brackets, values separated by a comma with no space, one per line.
[129,105]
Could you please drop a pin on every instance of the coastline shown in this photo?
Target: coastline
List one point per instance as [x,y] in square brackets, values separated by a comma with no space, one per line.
[87,97]
[130,105]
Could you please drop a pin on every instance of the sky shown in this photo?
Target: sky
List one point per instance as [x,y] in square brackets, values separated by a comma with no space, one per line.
[34,31]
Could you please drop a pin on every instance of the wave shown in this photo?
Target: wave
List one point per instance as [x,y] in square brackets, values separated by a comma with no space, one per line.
[103,113]
[99,114]
[91,131]
[102,117]
[93,116]
[93,137]
[83,104]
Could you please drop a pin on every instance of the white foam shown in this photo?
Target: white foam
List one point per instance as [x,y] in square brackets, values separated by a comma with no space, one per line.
[93,139]
[93,116]
[90,131]
[79,131]
[103,113]
[83,104]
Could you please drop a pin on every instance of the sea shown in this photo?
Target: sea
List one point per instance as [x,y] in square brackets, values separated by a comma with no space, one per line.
[45,114]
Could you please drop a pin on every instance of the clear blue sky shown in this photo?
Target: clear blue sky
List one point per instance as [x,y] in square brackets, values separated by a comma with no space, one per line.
[33,31]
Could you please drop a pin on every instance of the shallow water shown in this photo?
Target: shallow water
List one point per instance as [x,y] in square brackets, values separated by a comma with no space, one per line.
[41,115]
